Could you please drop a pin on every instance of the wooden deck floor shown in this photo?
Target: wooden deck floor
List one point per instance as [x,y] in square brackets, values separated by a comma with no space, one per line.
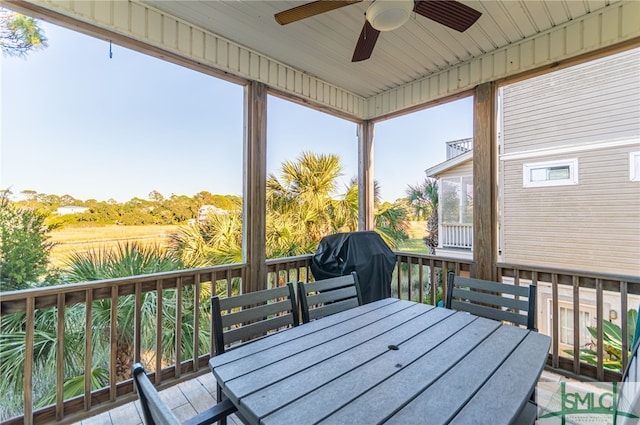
[192,397]
[185,400]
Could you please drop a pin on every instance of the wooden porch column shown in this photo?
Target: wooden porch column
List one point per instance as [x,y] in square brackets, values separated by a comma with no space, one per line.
[485,182]
[254,187]
[365,176]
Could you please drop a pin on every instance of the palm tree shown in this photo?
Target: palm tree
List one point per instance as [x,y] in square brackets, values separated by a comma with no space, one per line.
[424,199]
[305,192]
[217,240]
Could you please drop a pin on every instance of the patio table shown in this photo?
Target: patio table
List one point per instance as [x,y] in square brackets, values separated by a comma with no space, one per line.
[390,361]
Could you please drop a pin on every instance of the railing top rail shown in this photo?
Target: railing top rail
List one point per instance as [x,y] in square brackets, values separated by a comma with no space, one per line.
[567,272]
[434,257]
[121,281]
[286,260]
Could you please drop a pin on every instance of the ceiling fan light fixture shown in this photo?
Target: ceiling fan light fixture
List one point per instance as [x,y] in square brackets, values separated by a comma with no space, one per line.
[387,15]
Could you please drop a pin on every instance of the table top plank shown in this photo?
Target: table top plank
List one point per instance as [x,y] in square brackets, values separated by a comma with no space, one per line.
[368,336]
[469,367]
[390,360]
[379,310]
[441,400]
[515,378]
[307,380]
[313,338]
[446,338]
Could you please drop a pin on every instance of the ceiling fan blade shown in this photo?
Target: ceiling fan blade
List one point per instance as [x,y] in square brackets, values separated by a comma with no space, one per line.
[310,9]
[449,13]
[366,43]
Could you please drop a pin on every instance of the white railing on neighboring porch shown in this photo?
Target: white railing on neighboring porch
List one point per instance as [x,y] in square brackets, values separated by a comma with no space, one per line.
[457,236]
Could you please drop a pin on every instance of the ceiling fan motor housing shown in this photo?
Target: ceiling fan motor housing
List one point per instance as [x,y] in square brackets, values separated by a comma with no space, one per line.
[387,15]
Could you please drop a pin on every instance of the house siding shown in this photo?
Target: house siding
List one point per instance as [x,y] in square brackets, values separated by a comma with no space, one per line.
[537,114]
[594,225]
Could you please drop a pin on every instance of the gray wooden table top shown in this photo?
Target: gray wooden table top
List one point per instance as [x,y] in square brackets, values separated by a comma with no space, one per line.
[391,361]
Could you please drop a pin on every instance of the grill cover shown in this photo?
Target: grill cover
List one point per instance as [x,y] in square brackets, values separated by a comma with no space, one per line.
[363,252]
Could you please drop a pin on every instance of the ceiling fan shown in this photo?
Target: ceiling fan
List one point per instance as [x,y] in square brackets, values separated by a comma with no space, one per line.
[387,15]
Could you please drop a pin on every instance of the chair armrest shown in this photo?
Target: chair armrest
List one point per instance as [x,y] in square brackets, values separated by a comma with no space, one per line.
[213,414]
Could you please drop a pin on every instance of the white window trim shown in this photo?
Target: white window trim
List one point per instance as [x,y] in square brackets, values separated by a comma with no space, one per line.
[573,173]
[634,173]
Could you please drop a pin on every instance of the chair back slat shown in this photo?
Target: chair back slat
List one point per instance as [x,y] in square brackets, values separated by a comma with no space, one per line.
[328,296]
[238,319]
[493,300]
[154,410]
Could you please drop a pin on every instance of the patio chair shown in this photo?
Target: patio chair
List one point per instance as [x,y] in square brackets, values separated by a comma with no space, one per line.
[156,412]
[485,298]
[250,316]
[328,296]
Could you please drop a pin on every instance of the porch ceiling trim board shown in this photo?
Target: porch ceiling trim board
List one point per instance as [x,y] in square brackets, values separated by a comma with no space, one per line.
[612,25]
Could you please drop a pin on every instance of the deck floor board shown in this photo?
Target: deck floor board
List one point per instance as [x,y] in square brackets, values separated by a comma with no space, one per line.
[192,397]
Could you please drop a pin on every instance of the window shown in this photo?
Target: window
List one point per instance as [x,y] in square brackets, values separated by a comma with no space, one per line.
[550,173]
[566,326]
[457,200]
[634,166]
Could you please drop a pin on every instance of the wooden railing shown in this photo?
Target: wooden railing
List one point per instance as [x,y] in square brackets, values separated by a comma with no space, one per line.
[578,291]
[158,304]
[173,297]
[457,236]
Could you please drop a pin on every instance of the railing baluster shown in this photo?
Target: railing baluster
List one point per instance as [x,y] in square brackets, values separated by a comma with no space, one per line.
[137,324]
[600,342]
[555,360]
[432,276]
[60,358]
[576,324]
[399,277]
[158,376]
[196,320]
[113,340]
[178,328]
[624,323]
[88,337]
[409,276]
[28,360]
[421,279]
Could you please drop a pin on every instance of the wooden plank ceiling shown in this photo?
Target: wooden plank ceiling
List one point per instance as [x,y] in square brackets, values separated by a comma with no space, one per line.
[323,45]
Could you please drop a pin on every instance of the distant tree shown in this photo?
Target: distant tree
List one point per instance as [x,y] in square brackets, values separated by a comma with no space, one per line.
[424,199]
[24,249]
[19,34]
[154,195]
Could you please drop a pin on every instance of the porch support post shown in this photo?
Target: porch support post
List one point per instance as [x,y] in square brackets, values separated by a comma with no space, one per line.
[365,176]
[254,187]
[485,182]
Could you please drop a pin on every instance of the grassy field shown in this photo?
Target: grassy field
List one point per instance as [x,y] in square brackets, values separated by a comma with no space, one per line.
[82,239]
[416,233]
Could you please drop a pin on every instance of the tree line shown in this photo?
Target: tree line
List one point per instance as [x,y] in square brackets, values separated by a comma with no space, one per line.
[157,209]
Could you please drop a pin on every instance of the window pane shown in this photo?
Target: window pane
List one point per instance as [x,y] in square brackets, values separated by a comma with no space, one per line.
[558,173]
[467,200]
[451,200]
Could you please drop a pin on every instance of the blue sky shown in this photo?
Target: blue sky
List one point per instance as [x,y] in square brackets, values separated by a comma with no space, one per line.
[75,121]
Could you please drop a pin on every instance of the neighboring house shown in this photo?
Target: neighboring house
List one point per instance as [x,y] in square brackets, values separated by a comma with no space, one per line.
[563,171]
[206,209]
[455,200]
[71,209]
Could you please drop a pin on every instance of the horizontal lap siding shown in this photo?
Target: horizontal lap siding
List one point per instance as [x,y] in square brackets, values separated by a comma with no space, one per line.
[594,225]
